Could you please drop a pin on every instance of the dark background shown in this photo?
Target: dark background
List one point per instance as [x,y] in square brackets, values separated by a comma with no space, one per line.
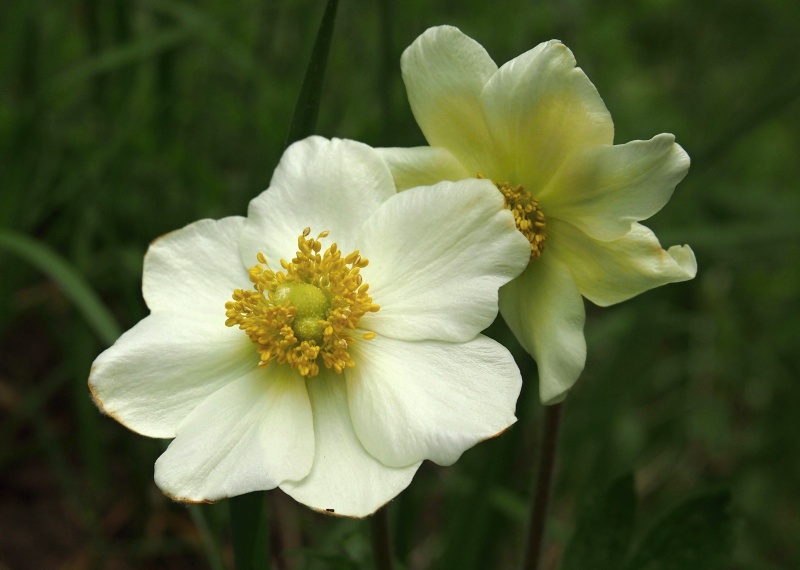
[121,120]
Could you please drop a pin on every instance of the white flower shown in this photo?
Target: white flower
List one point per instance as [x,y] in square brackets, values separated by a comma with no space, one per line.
[539,130]
[333,377]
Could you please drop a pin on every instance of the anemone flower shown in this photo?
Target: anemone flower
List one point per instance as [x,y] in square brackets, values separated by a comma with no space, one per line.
[537,128]
[276,355]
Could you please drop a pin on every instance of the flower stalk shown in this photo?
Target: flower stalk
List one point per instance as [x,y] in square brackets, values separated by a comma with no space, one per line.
[541,494]
[381,541]
[249,527]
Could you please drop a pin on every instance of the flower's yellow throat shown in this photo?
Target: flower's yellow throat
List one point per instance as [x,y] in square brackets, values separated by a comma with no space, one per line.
[528,216]
[306,311]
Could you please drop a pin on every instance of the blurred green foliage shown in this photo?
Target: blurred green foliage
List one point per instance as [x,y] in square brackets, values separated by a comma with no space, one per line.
[121,120]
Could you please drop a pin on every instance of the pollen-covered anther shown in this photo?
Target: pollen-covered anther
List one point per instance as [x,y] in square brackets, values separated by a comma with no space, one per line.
[306,312]
[528,216]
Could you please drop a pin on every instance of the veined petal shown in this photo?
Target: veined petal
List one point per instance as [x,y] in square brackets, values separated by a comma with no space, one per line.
[445,72]
[541,108]
[344,480]
[608,272]
[250,435]
[437,257]
[422,166]
[194,270]
[319,184]
[544,310]
[604,190]
[429,399]
[161,369]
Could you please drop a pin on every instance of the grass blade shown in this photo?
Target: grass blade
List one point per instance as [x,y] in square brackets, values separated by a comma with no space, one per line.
[306,110]
[72,284]
[128,54]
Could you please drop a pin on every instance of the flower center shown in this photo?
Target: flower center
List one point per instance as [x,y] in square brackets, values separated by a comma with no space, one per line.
[311,306]
[307,311]
[528,216]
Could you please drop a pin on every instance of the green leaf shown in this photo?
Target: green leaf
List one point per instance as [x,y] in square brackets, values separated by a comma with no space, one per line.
[603,529]
[694,536]
[306,110]
[72,284]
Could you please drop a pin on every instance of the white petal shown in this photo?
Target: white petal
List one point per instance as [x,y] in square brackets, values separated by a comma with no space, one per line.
[437,257]
[429,399]
[422,166]
[319,184]
[158,371]
[250,435]
[195,269]
[445,72]
[604,190]
[545,312]
[608,272]
[344,480]
[540,108]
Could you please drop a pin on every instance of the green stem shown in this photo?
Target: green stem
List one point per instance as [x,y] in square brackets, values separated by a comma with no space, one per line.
[213,556]
[381,543]
[250,537]
[544,477]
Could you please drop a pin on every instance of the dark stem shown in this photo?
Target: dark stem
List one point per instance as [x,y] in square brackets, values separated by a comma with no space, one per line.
[276,543]
[544,477]
[381,544]
[250,534]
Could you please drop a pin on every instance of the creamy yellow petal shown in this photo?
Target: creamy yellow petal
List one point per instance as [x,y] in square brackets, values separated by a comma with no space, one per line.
[161,369]
[445,72]
[345,479]
[325,185]
[609,272]
[604,190]
[545,312]
[422,166]
[430,399]
[437,256]
[540,108]
[250,435]
[192,271]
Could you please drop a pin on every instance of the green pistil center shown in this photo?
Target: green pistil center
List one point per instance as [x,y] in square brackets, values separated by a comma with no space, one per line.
[312,306]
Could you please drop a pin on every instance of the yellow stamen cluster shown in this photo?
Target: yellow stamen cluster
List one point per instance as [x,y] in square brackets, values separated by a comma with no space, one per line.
[528,216]
[306,311]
